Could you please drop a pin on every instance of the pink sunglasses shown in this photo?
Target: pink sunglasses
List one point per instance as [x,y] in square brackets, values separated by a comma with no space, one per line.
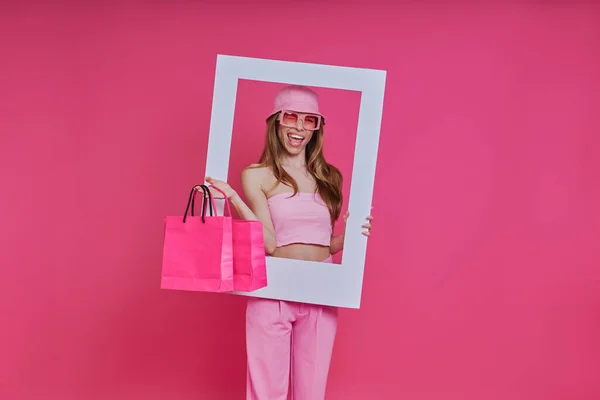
[310,122]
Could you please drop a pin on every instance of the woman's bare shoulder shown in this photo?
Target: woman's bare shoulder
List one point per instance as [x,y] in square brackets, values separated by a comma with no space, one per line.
[254,171]
[258,175]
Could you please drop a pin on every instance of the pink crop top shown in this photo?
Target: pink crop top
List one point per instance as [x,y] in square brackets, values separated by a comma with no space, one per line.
[303,218]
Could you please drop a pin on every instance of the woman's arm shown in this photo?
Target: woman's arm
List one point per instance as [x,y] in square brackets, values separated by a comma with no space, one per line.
[257,207]
[246,213]
[337,243]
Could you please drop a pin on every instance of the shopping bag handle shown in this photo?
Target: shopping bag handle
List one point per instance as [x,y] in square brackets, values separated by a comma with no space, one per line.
[224,196]
[206,191]
[191,202]
[211,201]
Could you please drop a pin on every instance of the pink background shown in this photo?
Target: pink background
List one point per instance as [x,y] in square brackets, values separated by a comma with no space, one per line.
[482,277]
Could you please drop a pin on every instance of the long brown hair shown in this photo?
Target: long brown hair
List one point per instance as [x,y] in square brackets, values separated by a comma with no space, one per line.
[327,177]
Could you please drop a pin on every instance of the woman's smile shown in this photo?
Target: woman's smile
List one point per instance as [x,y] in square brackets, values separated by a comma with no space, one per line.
[295,140]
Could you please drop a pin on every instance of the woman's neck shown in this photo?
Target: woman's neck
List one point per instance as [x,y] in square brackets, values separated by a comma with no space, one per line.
[297,161]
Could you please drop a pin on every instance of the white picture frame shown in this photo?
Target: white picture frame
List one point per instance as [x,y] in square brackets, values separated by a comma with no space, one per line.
[321,283]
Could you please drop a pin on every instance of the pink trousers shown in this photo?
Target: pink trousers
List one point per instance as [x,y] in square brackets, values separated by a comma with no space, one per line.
[288,340]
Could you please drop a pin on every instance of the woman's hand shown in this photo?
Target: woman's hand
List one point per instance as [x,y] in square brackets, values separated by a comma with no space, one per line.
[337,242]
[224,186]
[367,226]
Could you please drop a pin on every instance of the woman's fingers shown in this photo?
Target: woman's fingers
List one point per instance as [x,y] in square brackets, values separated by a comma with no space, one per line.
[346,215]
[215,182]
[212,181]
[216,194]
[202,190]
[368,225]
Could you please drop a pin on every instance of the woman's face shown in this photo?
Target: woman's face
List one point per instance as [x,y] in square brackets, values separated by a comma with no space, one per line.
[294,140]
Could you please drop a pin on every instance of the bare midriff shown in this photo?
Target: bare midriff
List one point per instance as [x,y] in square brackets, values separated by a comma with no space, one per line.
[304,252]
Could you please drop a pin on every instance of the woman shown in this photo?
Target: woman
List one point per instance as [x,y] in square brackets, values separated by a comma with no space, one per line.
[297,196]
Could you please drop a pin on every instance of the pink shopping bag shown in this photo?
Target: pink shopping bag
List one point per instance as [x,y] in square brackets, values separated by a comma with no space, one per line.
[198,251]
[249,255]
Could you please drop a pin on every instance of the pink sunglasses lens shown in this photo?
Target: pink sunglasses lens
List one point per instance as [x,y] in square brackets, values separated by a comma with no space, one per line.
[311,122]
[290,119]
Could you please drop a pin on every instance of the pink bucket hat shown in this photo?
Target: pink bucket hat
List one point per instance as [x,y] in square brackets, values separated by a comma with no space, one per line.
[296,98]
